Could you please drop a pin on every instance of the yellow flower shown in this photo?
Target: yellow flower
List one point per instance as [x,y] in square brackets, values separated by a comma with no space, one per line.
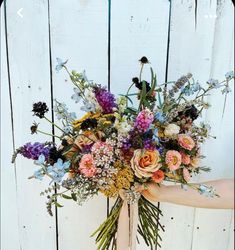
[122,180]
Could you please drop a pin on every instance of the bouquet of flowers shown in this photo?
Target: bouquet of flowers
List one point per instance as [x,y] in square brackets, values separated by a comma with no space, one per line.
[118,149]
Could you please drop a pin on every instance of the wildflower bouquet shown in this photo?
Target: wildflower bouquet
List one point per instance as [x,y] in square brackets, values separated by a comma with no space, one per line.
[118,149]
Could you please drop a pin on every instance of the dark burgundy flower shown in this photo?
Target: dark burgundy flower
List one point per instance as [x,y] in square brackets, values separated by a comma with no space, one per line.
[39,109]
[144,60]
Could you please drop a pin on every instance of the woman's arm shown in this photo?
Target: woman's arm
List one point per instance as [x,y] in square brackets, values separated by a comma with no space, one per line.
[175,194]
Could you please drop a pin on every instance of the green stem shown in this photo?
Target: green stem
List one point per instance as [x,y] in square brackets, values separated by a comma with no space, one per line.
[54,124]
[48,134]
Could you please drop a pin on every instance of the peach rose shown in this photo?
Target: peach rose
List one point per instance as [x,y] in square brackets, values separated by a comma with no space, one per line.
[186,175]
[186,141]
[145,162]
[173,159]
[158,176]
[86,166]
[185,158]
[195,162]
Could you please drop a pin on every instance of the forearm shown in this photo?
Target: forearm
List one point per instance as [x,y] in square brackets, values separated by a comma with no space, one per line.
[224,188]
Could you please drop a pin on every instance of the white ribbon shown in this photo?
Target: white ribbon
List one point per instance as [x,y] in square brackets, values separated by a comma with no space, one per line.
[127,225]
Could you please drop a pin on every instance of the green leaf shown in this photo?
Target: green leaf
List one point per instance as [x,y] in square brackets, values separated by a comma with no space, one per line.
[74,196]
[58,204]
[66,196]
[142,94]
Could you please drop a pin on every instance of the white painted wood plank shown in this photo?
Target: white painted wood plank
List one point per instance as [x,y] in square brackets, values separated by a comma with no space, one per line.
[231,238]
[79,32]
[29,68]
[9,213]
[138,28]
[190,51]
[220,152]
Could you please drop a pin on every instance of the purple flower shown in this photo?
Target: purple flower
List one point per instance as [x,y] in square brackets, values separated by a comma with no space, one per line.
[105,99]
[33,151]
[149,144]
[144,120]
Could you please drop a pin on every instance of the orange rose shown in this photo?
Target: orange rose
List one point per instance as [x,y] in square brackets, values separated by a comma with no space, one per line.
[145,162]
[158,176]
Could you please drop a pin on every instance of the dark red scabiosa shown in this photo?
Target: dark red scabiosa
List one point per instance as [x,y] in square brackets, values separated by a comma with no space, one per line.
[139,85]
[39,109]
[34,128]
[105,99]
[144,60]
[89,123]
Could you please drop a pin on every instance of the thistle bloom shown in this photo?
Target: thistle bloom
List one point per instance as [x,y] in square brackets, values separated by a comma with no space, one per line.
[105,99]
[173,159]
[144,120]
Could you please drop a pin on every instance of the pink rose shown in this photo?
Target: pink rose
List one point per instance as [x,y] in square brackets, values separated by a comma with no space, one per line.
[185,158]
[186,175]
[173,159]
[86,166]
[186,141]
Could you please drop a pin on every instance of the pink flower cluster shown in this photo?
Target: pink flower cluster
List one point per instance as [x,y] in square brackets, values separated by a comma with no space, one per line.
[86,166]
[144,120]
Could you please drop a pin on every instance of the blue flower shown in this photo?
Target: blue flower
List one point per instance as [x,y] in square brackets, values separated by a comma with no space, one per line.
[155,135]
[60,64]
[58,170]
[77,95]
[214,83]
[196,87]
[41,160]
[88,107]
[226,90]
[207,191]
[67,129]
[229,75]
[187,91]
[160,117]
[38,174]
[72,115]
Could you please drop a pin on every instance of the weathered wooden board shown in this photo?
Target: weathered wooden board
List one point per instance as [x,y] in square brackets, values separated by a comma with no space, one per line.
[9,204]
[137,30]
[213,225]
[30,82]
[201,42]
[191,40]
[79,32]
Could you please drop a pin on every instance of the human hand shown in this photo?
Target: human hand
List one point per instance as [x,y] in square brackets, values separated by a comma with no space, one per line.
[151,191]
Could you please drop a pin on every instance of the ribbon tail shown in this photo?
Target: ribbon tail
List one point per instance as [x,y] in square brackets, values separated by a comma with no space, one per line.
[134,216]
[123,233]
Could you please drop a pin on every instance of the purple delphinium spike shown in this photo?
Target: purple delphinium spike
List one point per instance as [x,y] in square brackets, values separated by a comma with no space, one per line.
[34,150]
[105,99]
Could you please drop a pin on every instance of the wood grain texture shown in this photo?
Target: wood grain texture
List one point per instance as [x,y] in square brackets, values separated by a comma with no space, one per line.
[9,201]
[190,51]
[208,221]
[29,71]
[79,32]
[137,30]
[201,42]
